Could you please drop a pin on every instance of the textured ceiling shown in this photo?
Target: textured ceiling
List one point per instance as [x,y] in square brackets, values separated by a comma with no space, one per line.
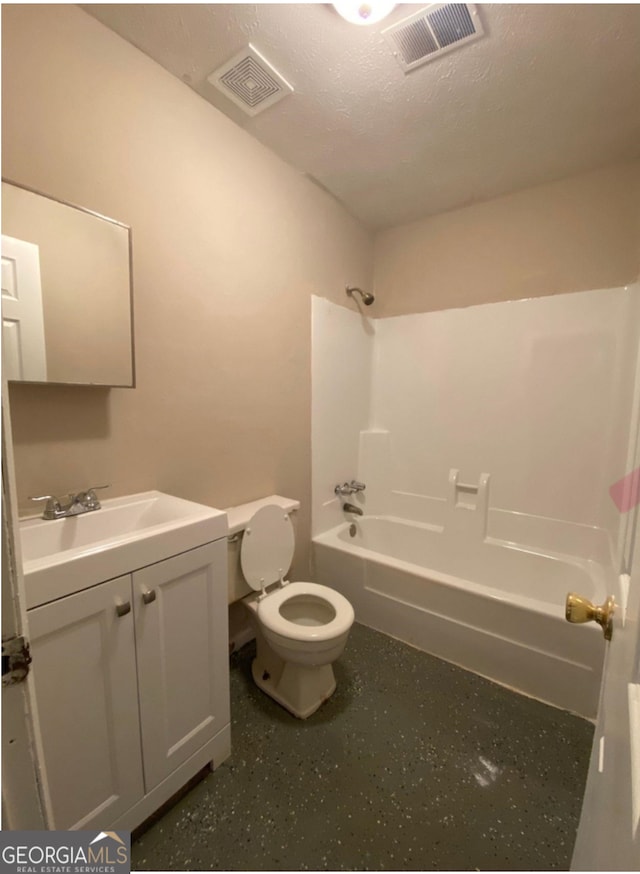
[550,91]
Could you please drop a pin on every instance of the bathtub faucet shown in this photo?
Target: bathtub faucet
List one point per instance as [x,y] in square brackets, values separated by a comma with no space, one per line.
[351,508]
[349,488]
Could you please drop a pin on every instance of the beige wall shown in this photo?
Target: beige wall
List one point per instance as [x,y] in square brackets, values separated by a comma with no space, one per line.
[229,243]
[575,235]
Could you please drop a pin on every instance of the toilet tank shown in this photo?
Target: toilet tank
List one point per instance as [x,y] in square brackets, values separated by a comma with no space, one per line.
[238,520]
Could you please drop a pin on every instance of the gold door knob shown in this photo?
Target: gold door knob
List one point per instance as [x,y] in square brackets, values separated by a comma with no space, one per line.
[579,609]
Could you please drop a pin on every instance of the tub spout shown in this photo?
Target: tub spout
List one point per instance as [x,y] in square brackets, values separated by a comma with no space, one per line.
[351,508]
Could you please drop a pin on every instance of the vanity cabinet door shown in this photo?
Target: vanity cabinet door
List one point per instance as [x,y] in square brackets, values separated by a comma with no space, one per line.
[181,623]
[84,673]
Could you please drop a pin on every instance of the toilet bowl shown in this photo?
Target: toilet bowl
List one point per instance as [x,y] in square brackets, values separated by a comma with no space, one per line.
[301,627]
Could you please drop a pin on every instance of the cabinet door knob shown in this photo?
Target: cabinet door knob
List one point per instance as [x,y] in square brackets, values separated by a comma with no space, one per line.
[123,609]
[149,596]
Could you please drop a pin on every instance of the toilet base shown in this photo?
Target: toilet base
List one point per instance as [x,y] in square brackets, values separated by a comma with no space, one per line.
[300,689]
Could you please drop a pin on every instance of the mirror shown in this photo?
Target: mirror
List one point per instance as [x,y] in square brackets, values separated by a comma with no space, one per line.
[67,314]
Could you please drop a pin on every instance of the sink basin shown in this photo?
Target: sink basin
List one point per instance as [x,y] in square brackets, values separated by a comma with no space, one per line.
[66,555]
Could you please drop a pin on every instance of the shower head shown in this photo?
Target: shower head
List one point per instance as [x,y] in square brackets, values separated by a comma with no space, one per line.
[367,297]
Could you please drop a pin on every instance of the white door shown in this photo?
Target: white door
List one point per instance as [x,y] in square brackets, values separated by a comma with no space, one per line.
[87,728]
[609,833]
[21,803]
[23,346]
[182,638]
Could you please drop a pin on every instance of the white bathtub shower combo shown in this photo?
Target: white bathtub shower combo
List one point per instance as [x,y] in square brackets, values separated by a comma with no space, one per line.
[482,603]
[471,560]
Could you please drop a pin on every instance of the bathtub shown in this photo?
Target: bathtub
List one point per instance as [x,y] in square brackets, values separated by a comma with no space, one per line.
[491,607]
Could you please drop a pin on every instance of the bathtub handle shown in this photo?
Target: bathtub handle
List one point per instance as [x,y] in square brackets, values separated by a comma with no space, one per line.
[349,488]
[579,609]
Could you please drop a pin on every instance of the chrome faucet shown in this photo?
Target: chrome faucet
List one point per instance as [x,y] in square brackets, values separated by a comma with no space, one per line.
[349,488]
[351,508]
[83,502]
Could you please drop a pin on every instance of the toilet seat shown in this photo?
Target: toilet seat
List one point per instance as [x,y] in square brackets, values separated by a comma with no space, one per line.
[268,610]
[265,555]
[267,547]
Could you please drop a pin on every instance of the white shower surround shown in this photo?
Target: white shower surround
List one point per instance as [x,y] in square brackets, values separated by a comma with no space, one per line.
[536,393]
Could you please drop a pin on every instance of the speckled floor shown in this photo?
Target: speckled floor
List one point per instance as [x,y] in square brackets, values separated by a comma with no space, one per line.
[413,764]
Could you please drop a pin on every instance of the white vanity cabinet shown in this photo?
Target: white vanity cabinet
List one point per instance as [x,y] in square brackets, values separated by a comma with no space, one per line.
[84,673]
[181,626]
[131,689]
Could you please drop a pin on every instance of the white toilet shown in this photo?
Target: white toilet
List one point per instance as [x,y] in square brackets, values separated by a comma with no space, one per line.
[301,628]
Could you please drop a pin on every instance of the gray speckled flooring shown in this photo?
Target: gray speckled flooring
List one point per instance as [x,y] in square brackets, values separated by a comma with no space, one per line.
[412,764]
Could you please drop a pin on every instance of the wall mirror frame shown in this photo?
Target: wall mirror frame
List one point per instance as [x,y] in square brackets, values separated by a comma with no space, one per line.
[67,292]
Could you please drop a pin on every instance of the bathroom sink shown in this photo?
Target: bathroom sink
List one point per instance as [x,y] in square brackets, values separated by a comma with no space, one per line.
[66,555]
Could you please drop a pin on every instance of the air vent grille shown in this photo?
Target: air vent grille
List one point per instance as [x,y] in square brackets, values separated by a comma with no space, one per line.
[432,31]
[250,81]
[415,41]
[451,23]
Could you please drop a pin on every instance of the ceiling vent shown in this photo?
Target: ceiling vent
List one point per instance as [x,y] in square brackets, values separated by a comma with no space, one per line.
[431,32]
[250,81]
